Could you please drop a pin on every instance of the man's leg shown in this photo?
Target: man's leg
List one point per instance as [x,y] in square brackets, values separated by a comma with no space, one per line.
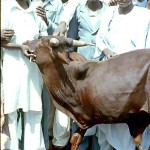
[10,129]
[85,142]
[45,118]
[61,129]
[33,136]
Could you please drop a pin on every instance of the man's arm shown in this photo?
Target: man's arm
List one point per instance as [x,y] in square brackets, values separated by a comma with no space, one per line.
[148,37]
[148,4]
[24,48]
[102,47]
[72,5]
[66,16]
[69,11]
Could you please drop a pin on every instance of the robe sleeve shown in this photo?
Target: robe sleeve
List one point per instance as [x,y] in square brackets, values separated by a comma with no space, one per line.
[69,11]
[148,37]
[43,29]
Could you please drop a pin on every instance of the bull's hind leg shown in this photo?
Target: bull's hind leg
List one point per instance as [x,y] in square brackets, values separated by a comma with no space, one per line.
[139,148]
[137,124]
[76,138]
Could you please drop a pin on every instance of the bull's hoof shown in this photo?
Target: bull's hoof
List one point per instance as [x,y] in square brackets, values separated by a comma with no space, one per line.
[57,148]
[139,147]
[67,147]
[75,141]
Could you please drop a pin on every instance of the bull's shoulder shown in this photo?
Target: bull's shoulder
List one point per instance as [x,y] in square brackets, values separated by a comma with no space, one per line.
[135,57]
[138,53]
[83,69]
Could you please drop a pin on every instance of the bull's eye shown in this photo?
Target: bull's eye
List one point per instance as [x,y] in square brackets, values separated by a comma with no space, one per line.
[50,50]
[47,41]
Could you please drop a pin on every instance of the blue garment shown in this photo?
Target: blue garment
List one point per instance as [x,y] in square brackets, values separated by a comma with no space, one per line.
[87,140]
[142,4]
[81,28]
[45,118]
[53,10]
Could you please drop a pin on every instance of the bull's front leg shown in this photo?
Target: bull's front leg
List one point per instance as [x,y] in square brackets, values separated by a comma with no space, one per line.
[137,124]
[76,138]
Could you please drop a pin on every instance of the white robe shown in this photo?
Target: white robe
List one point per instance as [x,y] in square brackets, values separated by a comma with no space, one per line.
[123,33]
[22,81]
[70,9]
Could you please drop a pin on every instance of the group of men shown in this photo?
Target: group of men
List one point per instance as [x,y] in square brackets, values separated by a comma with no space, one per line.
[114,30]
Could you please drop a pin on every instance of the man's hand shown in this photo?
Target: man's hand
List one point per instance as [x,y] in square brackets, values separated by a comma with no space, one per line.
[109,2]
[7,34]
[27,51]
[61,29]
[112,3]
[41,12]
[109,53]
[148,4]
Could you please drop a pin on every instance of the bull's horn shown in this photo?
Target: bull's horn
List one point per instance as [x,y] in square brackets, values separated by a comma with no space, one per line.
[54,42]
[81,43]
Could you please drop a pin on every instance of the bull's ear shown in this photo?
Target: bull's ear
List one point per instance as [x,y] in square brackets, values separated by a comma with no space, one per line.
[74,56]
[62,58]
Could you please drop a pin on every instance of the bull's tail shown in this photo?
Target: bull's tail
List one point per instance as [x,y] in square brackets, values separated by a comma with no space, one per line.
[148,89]
[146,106]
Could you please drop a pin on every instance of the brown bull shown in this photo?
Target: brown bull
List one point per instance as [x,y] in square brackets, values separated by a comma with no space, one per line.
[90,92]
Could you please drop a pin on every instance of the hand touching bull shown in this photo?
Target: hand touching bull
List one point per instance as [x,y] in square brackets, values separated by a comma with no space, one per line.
[61,29]
[108,53]
[6,36]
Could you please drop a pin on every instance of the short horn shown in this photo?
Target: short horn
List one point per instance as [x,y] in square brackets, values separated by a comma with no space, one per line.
[54,42]
[77,43]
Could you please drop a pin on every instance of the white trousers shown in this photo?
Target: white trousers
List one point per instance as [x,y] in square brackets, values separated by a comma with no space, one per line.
[119,137]
[56,123]
[61,129]
[3,137]
[33,136]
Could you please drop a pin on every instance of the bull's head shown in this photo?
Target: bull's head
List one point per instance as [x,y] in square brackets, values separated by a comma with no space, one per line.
[60,47]
[55,48]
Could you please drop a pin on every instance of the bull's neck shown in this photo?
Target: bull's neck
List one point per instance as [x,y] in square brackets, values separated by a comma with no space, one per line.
[58,81]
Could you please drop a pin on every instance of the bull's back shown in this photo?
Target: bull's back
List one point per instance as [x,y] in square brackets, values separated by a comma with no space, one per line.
[117,85]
